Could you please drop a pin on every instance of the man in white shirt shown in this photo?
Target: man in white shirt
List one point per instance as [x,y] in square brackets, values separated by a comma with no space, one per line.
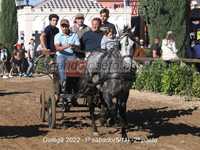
[30,55]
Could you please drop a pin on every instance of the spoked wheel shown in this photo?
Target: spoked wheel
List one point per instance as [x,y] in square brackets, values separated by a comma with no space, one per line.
[51,112]
[42,107]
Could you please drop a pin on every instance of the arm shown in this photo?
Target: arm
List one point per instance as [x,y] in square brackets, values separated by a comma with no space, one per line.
[76,44]
[43,40]
[174,49]
[58,45]
[103,43]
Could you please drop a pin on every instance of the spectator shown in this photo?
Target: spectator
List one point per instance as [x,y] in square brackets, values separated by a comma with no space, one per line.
[3,60]
[91,40]
[17,60]
[139,52]
[105,25]
[108,41]
[169,47]
[156,48]
[30,57]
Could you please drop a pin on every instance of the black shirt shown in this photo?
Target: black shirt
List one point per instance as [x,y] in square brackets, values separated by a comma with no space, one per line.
[91,40]
[50,33]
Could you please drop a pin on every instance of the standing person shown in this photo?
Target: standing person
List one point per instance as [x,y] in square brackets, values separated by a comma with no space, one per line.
[47,37]
[156,48]
[105,25]
[91,40]
[30,57]
[3,60]
[169,47]
[66,43]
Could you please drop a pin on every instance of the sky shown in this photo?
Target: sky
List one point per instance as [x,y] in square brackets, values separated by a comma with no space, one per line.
[33,2]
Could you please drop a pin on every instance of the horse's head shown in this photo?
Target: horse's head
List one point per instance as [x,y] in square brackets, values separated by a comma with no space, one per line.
[126,39]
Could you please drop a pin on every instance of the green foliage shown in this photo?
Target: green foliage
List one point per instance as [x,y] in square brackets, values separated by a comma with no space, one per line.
[196,84]
[8,26]
[177,79]
[165,15]
[173,78]
[150,76]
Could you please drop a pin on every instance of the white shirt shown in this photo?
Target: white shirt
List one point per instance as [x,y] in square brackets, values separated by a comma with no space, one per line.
[169,50]
[3,54]
[30,50]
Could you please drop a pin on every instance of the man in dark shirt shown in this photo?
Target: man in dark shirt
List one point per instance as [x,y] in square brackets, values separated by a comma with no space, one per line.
[104,14]
[91,40]
[47,37]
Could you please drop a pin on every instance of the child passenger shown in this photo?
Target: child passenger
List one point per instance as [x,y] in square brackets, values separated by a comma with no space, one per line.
[108,42]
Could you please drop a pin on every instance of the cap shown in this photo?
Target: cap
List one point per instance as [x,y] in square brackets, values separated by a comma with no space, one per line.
[79,15]
[17,45]
[64,21]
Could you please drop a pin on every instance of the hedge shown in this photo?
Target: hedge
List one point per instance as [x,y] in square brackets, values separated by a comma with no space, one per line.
[168,78]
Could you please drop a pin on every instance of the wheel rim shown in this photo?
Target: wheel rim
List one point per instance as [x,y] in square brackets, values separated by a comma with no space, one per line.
[42,107]
[50,112]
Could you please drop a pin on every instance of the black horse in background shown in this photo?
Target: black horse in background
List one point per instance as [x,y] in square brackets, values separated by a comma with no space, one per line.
[109,76]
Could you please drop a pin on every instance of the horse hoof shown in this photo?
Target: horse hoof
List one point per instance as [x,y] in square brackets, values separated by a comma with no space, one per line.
[95,134]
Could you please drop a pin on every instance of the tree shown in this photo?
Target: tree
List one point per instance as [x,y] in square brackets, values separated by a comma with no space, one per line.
[8,25]
[164,15]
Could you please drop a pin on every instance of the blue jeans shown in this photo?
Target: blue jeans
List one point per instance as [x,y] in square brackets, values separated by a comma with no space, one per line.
[61,60]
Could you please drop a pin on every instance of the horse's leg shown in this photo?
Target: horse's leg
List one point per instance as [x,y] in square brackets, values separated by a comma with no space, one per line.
[103,109]
[111,111]
[122,100]
[92,115]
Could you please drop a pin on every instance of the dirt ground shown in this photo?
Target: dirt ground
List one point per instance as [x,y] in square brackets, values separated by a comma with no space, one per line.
[156,122]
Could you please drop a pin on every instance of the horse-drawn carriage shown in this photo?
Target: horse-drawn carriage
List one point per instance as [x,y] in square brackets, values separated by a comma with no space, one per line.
[96,86]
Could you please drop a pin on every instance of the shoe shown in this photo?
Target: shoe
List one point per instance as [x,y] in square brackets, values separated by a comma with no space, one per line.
[30,75]
[25,75]
[20,75]
[10,76]
[5,77]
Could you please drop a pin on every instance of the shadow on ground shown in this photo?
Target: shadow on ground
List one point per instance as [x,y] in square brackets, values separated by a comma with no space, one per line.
[10,132]
[156,121]
[3,93]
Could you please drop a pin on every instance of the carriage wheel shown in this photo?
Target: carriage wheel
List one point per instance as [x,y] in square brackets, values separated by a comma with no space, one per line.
[42,107]
[51,112]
